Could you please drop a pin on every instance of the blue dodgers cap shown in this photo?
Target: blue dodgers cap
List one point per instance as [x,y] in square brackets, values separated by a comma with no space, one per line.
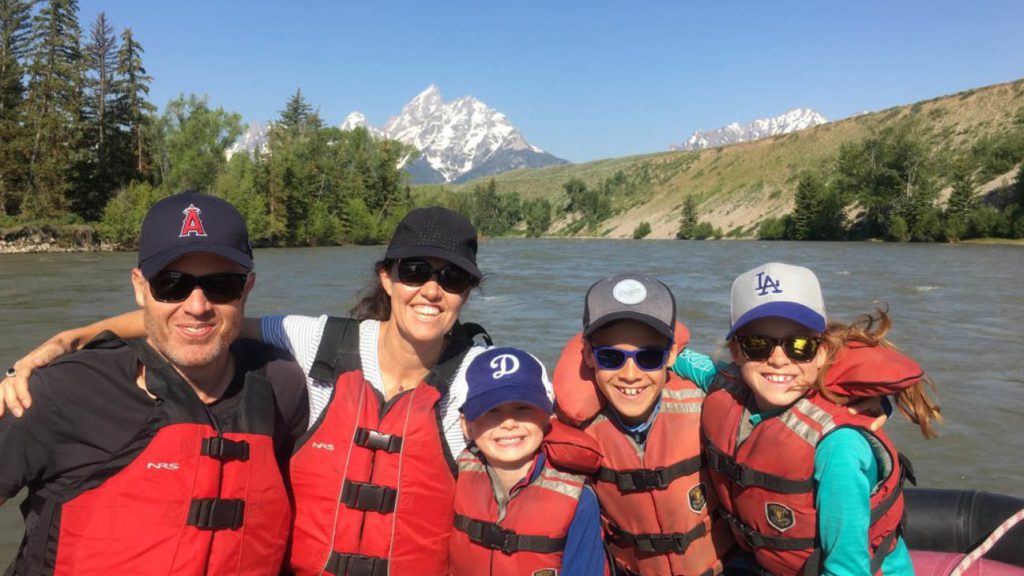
[188,223]
[777,290]
[501,375]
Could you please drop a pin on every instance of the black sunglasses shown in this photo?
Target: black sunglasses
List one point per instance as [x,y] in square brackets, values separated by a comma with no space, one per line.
[219,288]
[646,359]
[451,278]
[797,348]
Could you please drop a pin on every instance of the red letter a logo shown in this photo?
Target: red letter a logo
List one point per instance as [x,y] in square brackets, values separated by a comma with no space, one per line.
[192,225]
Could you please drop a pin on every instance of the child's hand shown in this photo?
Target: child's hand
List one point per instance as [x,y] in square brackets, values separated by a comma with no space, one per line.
[878,406]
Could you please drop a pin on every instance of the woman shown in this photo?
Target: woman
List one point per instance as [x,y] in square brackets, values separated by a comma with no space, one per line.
[806,486]
[374,477]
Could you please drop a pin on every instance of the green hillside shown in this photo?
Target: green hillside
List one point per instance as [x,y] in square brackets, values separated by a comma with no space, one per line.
[738,186]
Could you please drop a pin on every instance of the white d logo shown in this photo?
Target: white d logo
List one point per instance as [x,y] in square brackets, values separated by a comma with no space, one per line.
[504,364]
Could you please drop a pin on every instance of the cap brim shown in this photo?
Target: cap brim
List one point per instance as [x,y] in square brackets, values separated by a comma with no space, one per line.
[658,326]
[157,262]
[789,310]
[476,406]
[435,252]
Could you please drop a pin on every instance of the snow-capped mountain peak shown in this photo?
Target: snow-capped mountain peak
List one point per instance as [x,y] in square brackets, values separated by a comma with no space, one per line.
[459,140]
[791,121]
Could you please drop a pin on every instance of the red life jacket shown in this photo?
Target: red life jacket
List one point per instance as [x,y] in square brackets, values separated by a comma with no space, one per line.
[769,500]
[655,501]
[374,482]
[527,536]
[182,497]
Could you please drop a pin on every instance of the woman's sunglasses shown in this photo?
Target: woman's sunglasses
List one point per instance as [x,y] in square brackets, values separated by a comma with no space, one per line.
[646,359]
[797,348]
[451,278]
[219,288]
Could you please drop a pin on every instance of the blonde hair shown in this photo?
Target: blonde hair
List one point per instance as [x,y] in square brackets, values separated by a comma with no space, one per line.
[871,329]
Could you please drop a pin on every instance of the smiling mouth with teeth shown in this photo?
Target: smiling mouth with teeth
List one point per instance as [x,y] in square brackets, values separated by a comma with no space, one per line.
[509,440]
[631,392]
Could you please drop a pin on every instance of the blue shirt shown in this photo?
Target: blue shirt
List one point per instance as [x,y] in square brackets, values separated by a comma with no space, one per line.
[845,472]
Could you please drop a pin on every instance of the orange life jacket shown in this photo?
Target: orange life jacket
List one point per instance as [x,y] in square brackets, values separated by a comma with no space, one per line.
[528,536]
[181,497]
[655,501]
[374,482]
[769,499]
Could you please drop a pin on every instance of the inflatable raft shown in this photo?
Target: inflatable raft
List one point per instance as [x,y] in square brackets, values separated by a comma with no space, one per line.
[964,532]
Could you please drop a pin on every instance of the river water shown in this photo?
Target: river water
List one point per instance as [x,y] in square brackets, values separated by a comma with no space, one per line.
[959,310]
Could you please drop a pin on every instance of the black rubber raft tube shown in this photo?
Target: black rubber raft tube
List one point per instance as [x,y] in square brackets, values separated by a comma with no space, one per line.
[960,520]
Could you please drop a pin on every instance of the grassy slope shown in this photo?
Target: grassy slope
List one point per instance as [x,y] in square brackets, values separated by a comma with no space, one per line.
[738,186]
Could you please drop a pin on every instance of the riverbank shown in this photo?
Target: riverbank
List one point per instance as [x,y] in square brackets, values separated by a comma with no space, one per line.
[32,239]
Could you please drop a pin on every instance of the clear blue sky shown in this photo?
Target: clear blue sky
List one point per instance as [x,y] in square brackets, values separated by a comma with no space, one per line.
[582,79]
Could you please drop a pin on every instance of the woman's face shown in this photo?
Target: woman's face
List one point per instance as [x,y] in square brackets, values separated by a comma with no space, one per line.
[777,381]
[425,313]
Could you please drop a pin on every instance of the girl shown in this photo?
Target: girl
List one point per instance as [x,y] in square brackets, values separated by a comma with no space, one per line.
[805,485]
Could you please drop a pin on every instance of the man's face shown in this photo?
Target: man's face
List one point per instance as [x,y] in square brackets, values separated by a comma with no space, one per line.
[195,332]
[632,392]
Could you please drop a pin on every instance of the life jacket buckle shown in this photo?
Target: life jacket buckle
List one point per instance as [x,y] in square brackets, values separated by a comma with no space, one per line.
[356,565]
[641,480]
[369,497]
[224,449]
[216,514]
[375,440]
[495,537]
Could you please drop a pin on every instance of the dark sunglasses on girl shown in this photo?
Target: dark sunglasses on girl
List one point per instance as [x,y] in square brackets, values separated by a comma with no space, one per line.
[646,359]
[417,272]
[219,288]
[797,348]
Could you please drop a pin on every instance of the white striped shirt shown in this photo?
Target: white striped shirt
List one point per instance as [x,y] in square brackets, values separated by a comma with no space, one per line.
[300,335]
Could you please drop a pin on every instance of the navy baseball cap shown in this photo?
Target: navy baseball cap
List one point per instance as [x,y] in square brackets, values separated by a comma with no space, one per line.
[436,232]
[188,223]
[500,375]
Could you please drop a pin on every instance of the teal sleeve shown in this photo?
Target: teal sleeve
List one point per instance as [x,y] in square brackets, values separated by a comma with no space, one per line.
[696,367]
[846,472]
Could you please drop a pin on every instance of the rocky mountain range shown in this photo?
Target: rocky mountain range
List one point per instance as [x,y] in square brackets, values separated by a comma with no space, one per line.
[792,121]
[458,140]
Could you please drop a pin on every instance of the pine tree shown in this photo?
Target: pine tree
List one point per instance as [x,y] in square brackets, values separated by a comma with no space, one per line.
[961,201]
[689,220]
[133,112]
[53,107]
[100,131]
[807,206]
[15,18]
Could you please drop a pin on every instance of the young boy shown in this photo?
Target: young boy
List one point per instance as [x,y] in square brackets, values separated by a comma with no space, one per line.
[518,508]
[613,382]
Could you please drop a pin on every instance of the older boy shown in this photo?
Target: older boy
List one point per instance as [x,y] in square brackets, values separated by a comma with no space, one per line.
[614,383]
[518,509]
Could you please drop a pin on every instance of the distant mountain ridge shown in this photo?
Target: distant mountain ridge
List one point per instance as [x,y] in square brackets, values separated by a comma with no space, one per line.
[792,121]
[458,141]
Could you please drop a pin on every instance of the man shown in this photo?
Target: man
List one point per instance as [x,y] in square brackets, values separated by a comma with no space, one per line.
[164,454]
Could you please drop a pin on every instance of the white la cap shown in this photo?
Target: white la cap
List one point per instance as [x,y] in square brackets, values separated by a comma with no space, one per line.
[777,290]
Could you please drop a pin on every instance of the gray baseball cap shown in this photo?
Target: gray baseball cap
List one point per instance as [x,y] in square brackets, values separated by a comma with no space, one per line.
[630,296]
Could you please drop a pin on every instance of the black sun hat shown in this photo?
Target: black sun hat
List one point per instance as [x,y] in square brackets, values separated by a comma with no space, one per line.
[436,232]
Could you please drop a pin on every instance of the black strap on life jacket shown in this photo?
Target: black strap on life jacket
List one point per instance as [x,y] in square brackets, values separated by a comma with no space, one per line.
[216,513]
[648,479]
[338,351]
[356,565]
[673,542]
[491,535]
[370,497]
[757,540]
[745,477]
